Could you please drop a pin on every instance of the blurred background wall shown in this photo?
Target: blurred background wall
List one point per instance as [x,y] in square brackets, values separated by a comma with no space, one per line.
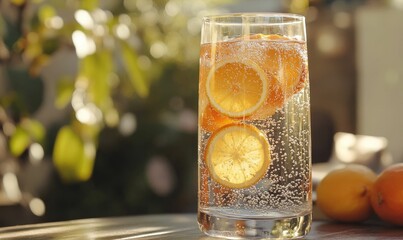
[380,67]
[99,98]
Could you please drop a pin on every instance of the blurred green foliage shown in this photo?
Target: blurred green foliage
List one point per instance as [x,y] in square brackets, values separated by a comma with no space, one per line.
[123,48]
[136,60]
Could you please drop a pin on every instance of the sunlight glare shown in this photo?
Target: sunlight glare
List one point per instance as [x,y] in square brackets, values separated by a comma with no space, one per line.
[84,19]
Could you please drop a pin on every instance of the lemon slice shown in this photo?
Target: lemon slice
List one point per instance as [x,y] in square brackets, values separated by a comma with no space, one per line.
[237,156]
[236,87]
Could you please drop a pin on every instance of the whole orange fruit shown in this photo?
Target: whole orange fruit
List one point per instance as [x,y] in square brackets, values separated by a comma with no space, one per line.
[387,195]
[344,194]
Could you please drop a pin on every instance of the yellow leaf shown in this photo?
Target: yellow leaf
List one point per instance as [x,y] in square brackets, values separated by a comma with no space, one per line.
[46,12]
[89,4]
[19,141]
[97,68]
[136,75]
[87,162]
[73,159]
[86,131]
[34,128]
[67,150]
[65,89]
[26,132]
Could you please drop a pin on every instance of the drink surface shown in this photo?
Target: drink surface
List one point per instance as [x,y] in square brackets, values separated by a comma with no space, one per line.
[254,128]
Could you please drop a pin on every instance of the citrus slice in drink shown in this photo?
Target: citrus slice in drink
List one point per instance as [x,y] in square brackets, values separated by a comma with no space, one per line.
[211,119]
[237,156]
[289,64]
[236,87]
[284,60]
[286,69]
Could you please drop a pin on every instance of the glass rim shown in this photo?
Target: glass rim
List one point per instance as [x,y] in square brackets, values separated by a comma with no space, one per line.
[291,16]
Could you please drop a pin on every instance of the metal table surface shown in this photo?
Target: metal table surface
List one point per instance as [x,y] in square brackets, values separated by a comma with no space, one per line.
[175,226]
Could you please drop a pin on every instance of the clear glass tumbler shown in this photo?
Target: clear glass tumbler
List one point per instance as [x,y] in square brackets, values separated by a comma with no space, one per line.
[254,149]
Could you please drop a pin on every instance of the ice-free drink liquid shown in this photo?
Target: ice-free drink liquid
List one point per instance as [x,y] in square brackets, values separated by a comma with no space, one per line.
[254,137]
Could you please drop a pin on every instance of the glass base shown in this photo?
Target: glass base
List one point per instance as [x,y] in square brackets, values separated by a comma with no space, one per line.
[258,228]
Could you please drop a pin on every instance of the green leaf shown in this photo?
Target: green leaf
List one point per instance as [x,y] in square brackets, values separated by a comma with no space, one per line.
[67,151]
[86,164]
[96,68]
[136,75]
[19,141]
[73,159]
[65,89]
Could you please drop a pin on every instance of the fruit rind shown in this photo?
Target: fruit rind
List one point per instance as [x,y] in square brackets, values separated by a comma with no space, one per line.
[344,194]
[387,195]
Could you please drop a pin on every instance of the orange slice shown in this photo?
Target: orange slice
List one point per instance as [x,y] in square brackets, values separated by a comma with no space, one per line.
[236,87]
[278,62]
[237,156]
[286,60]
[287,70]
[211,119]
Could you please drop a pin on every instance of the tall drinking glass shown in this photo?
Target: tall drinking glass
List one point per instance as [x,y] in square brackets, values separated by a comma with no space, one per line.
[254,149]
